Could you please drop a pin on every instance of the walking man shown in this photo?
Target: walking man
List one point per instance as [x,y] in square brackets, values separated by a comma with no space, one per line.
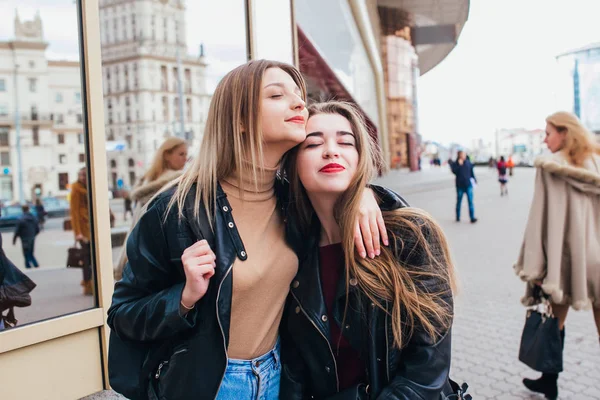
[27,229]
[465,177]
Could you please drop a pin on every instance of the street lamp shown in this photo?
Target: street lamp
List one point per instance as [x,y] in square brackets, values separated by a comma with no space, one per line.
[18,128]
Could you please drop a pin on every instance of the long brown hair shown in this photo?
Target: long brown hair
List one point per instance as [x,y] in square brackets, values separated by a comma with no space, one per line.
[387,278]
[159,164]
[232,134]
[579,142]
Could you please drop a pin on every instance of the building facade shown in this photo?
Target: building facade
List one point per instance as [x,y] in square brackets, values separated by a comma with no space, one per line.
[371,53]
[152,87]
[582,67]
[41,117]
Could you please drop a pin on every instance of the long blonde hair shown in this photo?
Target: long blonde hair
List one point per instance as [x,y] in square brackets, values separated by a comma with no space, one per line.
[232,134]
[579,142]
[159,163]
[386,278]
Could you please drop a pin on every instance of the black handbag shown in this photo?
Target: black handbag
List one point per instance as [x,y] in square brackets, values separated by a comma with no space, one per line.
[78,256]
[541,344]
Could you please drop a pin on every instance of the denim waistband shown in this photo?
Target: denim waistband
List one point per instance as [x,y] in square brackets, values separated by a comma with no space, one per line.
[256,364]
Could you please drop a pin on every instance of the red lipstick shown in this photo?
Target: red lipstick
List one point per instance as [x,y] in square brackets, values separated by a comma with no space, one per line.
[332,168]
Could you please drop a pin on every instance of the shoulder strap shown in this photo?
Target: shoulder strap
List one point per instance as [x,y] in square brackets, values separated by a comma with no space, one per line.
[200,226]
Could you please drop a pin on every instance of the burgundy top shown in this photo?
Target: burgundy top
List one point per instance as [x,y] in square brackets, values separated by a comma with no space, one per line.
[351,369]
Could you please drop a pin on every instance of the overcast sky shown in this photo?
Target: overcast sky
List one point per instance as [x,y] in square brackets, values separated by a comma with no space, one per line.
[503,72]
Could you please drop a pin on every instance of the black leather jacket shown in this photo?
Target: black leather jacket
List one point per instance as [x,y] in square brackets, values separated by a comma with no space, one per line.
[146,300]
[418,371]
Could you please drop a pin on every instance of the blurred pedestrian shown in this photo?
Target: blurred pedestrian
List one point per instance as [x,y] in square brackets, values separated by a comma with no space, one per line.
[502,178]
[40,213]
[511,165]
[128,208]
[465,178]
[561,247]
[80,221]
[27,229]
[167,165]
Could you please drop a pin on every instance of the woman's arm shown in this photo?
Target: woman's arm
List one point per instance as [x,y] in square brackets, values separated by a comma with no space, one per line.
[423,371]
[74,205]
[146,301]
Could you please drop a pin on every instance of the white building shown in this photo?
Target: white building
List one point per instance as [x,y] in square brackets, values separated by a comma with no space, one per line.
[141,43]
[41,99]
[522,144]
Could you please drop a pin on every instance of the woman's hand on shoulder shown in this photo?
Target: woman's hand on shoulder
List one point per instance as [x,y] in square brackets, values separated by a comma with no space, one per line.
[199,266]
[370,229]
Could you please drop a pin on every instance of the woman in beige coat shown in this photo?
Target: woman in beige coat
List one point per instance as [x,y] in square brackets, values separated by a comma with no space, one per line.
[561,248]
[167,165]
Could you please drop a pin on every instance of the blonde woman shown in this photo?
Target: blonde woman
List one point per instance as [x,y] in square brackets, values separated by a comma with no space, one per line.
[561,248]
[167,165]
[211,319]
[362,328]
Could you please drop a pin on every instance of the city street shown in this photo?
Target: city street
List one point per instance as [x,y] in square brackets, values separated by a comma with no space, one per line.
[489,316]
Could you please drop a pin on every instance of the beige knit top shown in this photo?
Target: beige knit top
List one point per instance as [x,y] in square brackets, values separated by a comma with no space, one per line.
[260,283]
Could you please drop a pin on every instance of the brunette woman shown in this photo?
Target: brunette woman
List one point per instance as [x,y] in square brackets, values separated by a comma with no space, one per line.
[361,328]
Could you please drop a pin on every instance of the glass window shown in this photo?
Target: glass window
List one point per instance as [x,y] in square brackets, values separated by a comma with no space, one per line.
[3,110]
[2,85]
[78,97]
[81,157]
[4,141]
[61,138]
[346,55]
[63,180]
[62,158]
[32,85]
[4,158]
[35,135]
[59,97]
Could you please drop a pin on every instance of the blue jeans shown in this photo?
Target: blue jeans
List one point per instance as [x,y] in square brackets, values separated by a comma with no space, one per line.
[256,379]
[460,192]
[29,257]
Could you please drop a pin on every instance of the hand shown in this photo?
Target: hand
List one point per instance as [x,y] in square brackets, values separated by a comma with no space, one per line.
[80,238]
[199,266]
[369,227]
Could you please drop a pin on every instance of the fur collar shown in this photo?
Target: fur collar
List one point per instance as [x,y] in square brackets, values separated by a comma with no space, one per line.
[144,192]
[556,164]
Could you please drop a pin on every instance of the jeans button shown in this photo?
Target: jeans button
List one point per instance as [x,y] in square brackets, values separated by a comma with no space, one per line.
[328,369]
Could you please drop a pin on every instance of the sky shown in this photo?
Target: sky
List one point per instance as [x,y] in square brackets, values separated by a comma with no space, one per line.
[503,72]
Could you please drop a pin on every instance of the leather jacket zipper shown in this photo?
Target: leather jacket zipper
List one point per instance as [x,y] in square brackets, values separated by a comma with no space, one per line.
[337,380]
[162,364]
[221,326]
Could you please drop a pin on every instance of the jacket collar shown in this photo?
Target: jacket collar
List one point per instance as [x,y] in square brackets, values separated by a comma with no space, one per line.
[388,199]
[585,178]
